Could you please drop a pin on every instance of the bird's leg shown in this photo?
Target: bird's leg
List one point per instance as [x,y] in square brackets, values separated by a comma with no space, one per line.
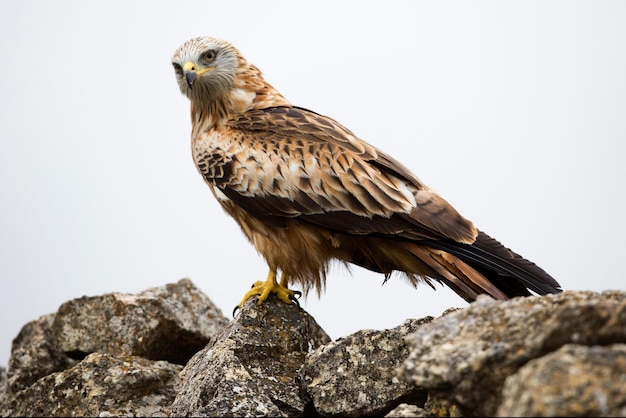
[264,289]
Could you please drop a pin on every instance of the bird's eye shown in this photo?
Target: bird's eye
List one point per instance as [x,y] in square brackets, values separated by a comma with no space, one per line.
[177,68]
[209,55]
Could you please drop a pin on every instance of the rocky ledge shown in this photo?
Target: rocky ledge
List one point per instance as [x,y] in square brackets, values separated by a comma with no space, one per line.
[169,351]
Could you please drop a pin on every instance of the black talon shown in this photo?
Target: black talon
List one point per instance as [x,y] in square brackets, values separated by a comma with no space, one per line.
[294,299]
[235,310]
[297,293]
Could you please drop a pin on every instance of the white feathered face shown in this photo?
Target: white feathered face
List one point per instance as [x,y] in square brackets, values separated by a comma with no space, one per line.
[205,68]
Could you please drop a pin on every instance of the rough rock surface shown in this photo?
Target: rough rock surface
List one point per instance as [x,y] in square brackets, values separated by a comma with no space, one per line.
[251,369]
[50,361]
[465,357]
[121,354]
[170,323]
[4,386]
[34,355]
[568,382]
[358,375]
[407,410]
[101,385]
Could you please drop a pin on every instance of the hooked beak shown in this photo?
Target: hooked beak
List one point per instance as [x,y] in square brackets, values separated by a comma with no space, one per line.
[190,76]
[192,72]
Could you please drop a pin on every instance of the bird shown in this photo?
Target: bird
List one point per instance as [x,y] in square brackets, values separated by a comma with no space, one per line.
[308,193]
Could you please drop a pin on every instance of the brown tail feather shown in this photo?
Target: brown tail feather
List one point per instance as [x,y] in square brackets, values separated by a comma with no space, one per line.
[485,266]
[456,274]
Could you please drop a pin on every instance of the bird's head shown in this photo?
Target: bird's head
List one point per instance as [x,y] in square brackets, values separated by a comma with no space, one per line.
[206,68]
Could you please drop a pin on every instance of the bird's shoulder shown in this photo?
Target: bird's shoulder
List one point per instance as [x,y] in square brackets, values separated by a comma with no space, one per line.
[298,124]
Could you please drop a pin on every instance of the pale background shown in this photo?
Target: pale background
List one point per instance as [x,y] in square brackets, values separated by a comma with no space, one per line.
[513,111]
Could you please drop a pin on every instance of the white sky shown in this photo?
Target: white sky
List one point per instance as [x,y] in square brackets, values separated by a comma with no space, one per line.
[514,111]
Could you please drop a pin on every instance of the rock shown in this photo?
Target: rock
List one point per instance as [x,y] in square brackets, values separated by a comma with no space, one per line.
[108,344]
[575,380]
[101,385]
[170,323]
[358,375]
[34,356]
[465,356]
[121,354]
[251,369]
[4,386]
[407,410]
[436,407]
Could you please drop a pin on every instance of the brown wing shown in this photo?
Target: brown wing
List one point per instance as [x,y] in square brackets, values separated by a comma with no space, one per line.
[294,163]
[285,163]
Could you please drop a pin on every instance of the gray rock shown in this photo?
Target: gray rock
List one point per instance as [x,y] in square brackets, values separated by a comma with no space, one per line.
[358,375]
[407,410]
[436,407]
[556,355]
[33,355]
[465,356]
[251,369]
[575,380]
[101,385]
[4,386]
[170,323]
[47,377]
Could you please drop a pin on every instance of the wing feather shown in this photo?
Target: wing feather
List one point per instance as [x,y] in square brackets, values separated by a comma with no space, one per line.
[319,171]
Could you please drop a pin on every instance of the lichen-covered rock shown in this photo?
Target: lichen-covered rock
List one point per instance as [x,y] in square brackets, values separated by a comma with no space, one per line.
[555,355]
[573,381]
[34,356]
[465,356]
[170,322]
[251,369]
[51,370]
[358,375]
[4,386]
[101,385]
[436,407]
[407,410]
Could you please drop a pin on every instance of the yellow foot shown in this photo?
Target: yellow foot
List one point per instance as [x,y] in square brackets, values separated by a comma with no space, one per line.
[264,289]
